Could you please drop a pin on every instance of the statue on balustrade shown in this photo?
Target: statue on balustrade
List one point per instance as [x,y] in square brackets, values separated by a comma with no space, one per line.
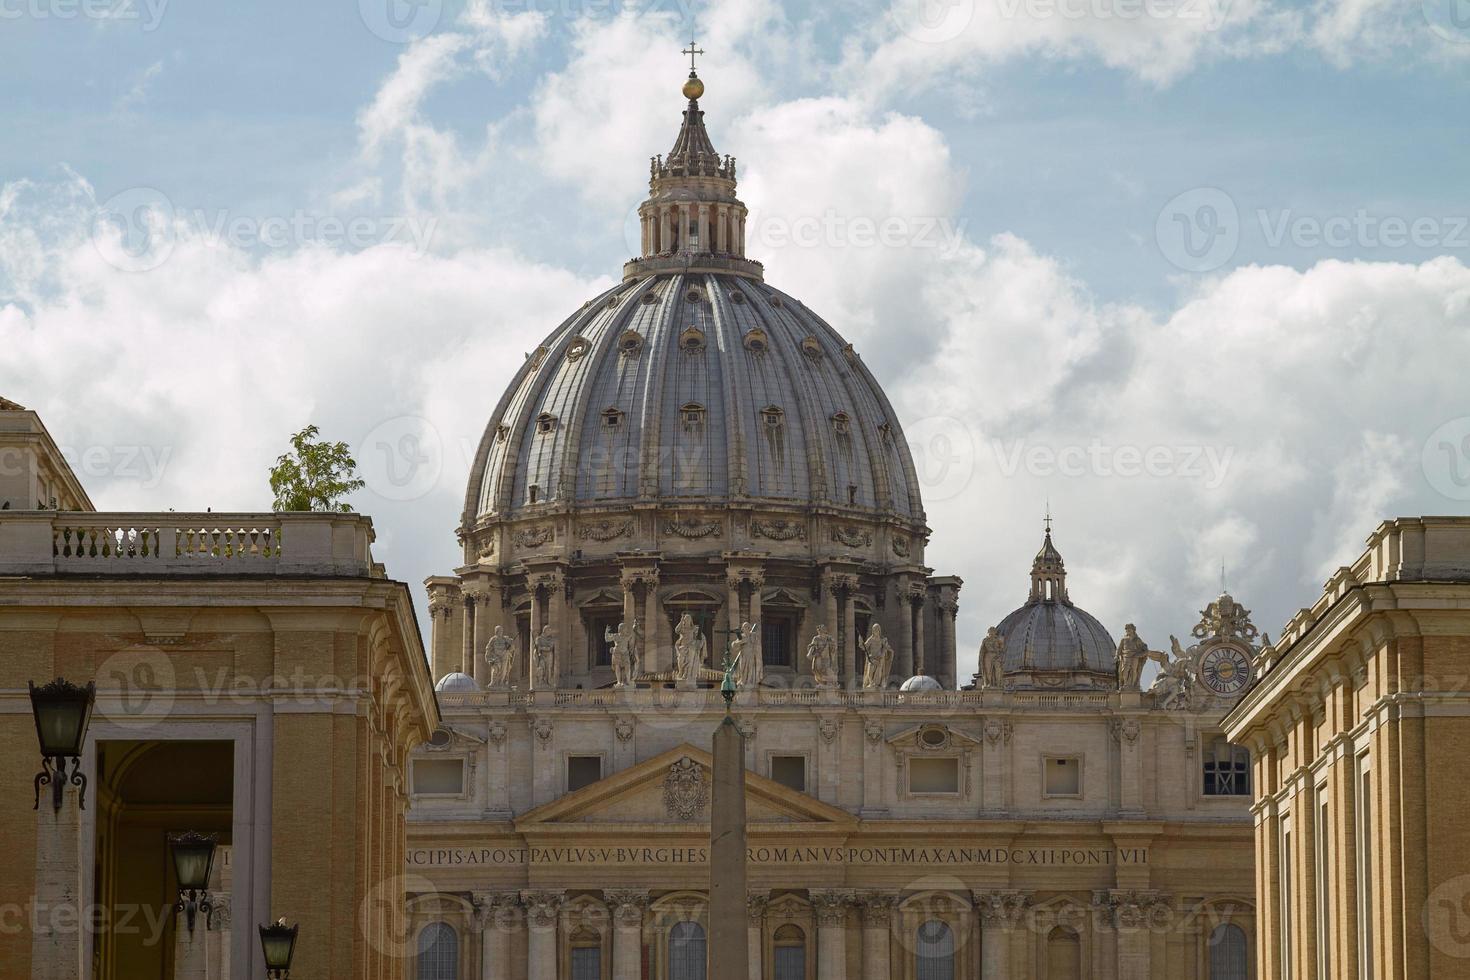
[821,653]
[745,651]
[500,659]
[624,652]
[543,661]
[1174,686]
[992,660]
[689,651]
[877,659]
[1133,653]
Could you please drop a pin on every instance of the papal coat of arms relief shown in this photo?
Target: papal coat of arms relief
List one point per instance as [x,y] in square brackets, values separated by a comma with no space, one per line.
[686,791]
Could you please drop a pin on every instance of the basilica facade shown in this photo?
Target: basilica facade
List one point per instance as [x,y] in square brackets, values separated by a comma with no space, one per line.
[694,471]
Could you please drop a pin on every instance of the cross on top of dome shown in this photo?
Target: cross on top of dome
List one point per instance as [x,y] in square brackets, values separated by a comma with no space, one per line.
[1048,573]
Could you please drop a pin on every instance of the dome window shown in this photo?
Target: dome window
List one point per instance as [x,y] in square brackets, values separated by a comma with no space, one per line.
[737,297]
[694,295]
[756,341]
[692,414]
[773,417]
[545,423]
[650,298]
[612,418]
[776,302]
[691,341]
[842,423]
[630,344]
[578,348]
[934,737]
[533,494]
[502,432]
[812,347]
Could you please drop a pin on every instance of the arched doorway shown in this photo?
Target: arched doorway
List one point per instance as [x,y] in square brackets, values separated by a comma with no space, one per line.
[1063,955]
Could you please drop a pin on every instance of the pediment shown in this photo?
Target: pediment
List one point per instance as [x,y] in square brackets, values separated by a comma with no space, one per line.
[932,736]
[647,793]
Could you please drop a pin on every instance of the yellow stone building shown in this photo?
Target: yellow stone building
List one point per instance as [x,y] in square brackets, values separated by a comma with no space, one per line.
[258,677]
[1357,730]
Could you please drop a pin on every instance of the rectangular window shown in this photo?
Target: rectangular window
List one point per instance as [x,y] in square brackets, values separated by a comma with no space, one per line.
[583,770]
[1062,777]
[597,627]
[934,775]
[1322,873]
[586,963]
[789,771]
[438,777]
[1226,768]
[776,644]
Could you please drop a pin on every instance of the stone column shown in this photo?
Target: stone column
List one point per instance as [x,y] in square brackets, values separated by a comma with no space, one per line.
[498,914]
[829,610]
[905,631]
[467,652]
[740,237]
[756,584]
[627,907]
[704,245]
[630,599]
[729,940]
[56,947]
[538,620]
[831,909]
[999,913]
[722,221]
[949,652]
[191,947]
[1133,912]
[653,656]
[556,603]
[542,911]
[873,758]
[851,672]
[877,909]
[755,909]
[666,228]
[920,650]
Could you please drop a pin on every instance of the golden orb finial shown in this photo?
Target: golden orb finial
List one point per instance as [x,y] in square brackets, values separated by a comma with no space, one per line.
[693,88]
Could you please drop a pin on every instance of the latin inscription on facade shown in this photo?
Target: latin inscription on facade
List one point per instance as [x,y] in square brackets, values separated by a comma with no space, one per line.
[1088,857]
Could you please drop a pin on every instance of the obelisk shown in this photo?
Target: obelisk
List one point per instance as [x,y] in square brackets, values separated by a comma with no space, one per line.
[729,940]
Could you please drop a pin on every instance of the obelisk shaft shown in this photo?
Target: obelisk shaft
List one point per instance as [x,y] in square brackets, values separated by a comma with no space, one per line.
[729,943]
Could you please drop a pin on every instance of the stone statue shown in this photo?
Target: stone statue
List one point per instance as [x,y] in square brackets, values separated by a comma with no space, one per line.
[745,651]
[821,653]
[1175,683]
[1133,653]
[992,660]
[877,659]
[500,659]
[624,652]
[543,661]
[689,650]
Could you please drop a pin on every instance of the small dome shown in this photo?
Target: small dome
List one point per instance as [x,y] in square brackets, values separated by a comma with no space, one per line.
[921,682]
[1050,641]
[457,683]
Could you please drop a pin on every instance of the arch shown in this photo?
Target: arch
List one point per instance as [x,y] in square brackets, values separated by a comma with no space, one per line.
[788,952]
[687,951]
[1063,954]
[934,950]
[438,953]
[1229,953]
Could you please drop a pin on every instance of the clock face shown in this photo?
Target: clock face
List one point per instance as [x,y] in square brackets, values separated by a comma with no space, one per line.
[1225,670]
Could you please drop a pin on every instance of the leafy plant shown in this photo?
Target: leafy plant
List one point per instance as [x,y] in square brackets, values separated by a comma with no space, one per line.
[315,475]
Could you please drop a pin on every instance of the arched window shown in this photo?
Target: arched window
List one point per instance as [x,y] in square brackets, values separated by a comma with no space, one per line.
[789,953]
[438,957]
[934,951]
[1227,952]
[1063,955]
[686,951]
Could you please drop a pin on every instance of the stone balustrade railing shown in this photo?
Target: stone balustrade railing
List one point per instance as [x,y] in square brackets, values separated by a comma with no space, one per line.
[647,699]
[67,542]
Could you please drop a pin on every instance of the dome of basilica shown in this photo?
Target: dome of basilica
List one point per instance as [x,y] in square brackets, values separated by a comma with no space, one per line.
[693,380]
[1049,641]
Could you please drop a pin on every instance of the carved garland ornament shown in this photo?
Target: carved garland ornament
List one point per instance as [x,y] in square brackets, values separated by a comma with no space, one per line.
[533,537]
[852,537]
[692,530]
[605,530]
[778,530]
[686,791]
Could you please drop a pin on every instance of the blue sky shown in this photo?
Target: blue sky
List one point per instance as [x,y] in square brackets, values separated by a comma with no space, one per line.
[1220,230]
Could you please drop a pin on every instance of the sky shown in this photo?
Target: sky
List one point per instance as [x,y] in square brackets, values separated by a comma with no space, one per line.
[1192,273]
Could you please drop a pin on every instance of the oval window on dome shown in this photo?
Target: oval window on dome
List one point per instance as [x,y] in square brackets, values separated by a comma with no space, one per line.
[650,298]
[756,341]
[692,414]
[737,297]
[545,423]
[691,341]
[578,348]
[776,301]
[812,348]
[630,344]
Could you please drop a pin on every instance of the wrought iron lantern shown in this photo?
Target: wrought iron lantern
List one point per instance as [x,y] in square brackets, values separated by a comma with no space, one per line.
[193,856]
[62,711]
[278,945]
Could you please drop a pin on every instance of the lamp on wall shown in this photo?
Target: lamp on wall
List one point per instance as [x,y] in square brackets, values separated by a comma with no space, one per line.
[62,711]
[278,945]
[193,855]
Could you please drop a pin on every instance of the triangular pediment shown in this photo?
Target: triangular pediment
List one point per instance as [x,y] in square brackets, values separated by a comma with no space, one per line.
[646,793]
